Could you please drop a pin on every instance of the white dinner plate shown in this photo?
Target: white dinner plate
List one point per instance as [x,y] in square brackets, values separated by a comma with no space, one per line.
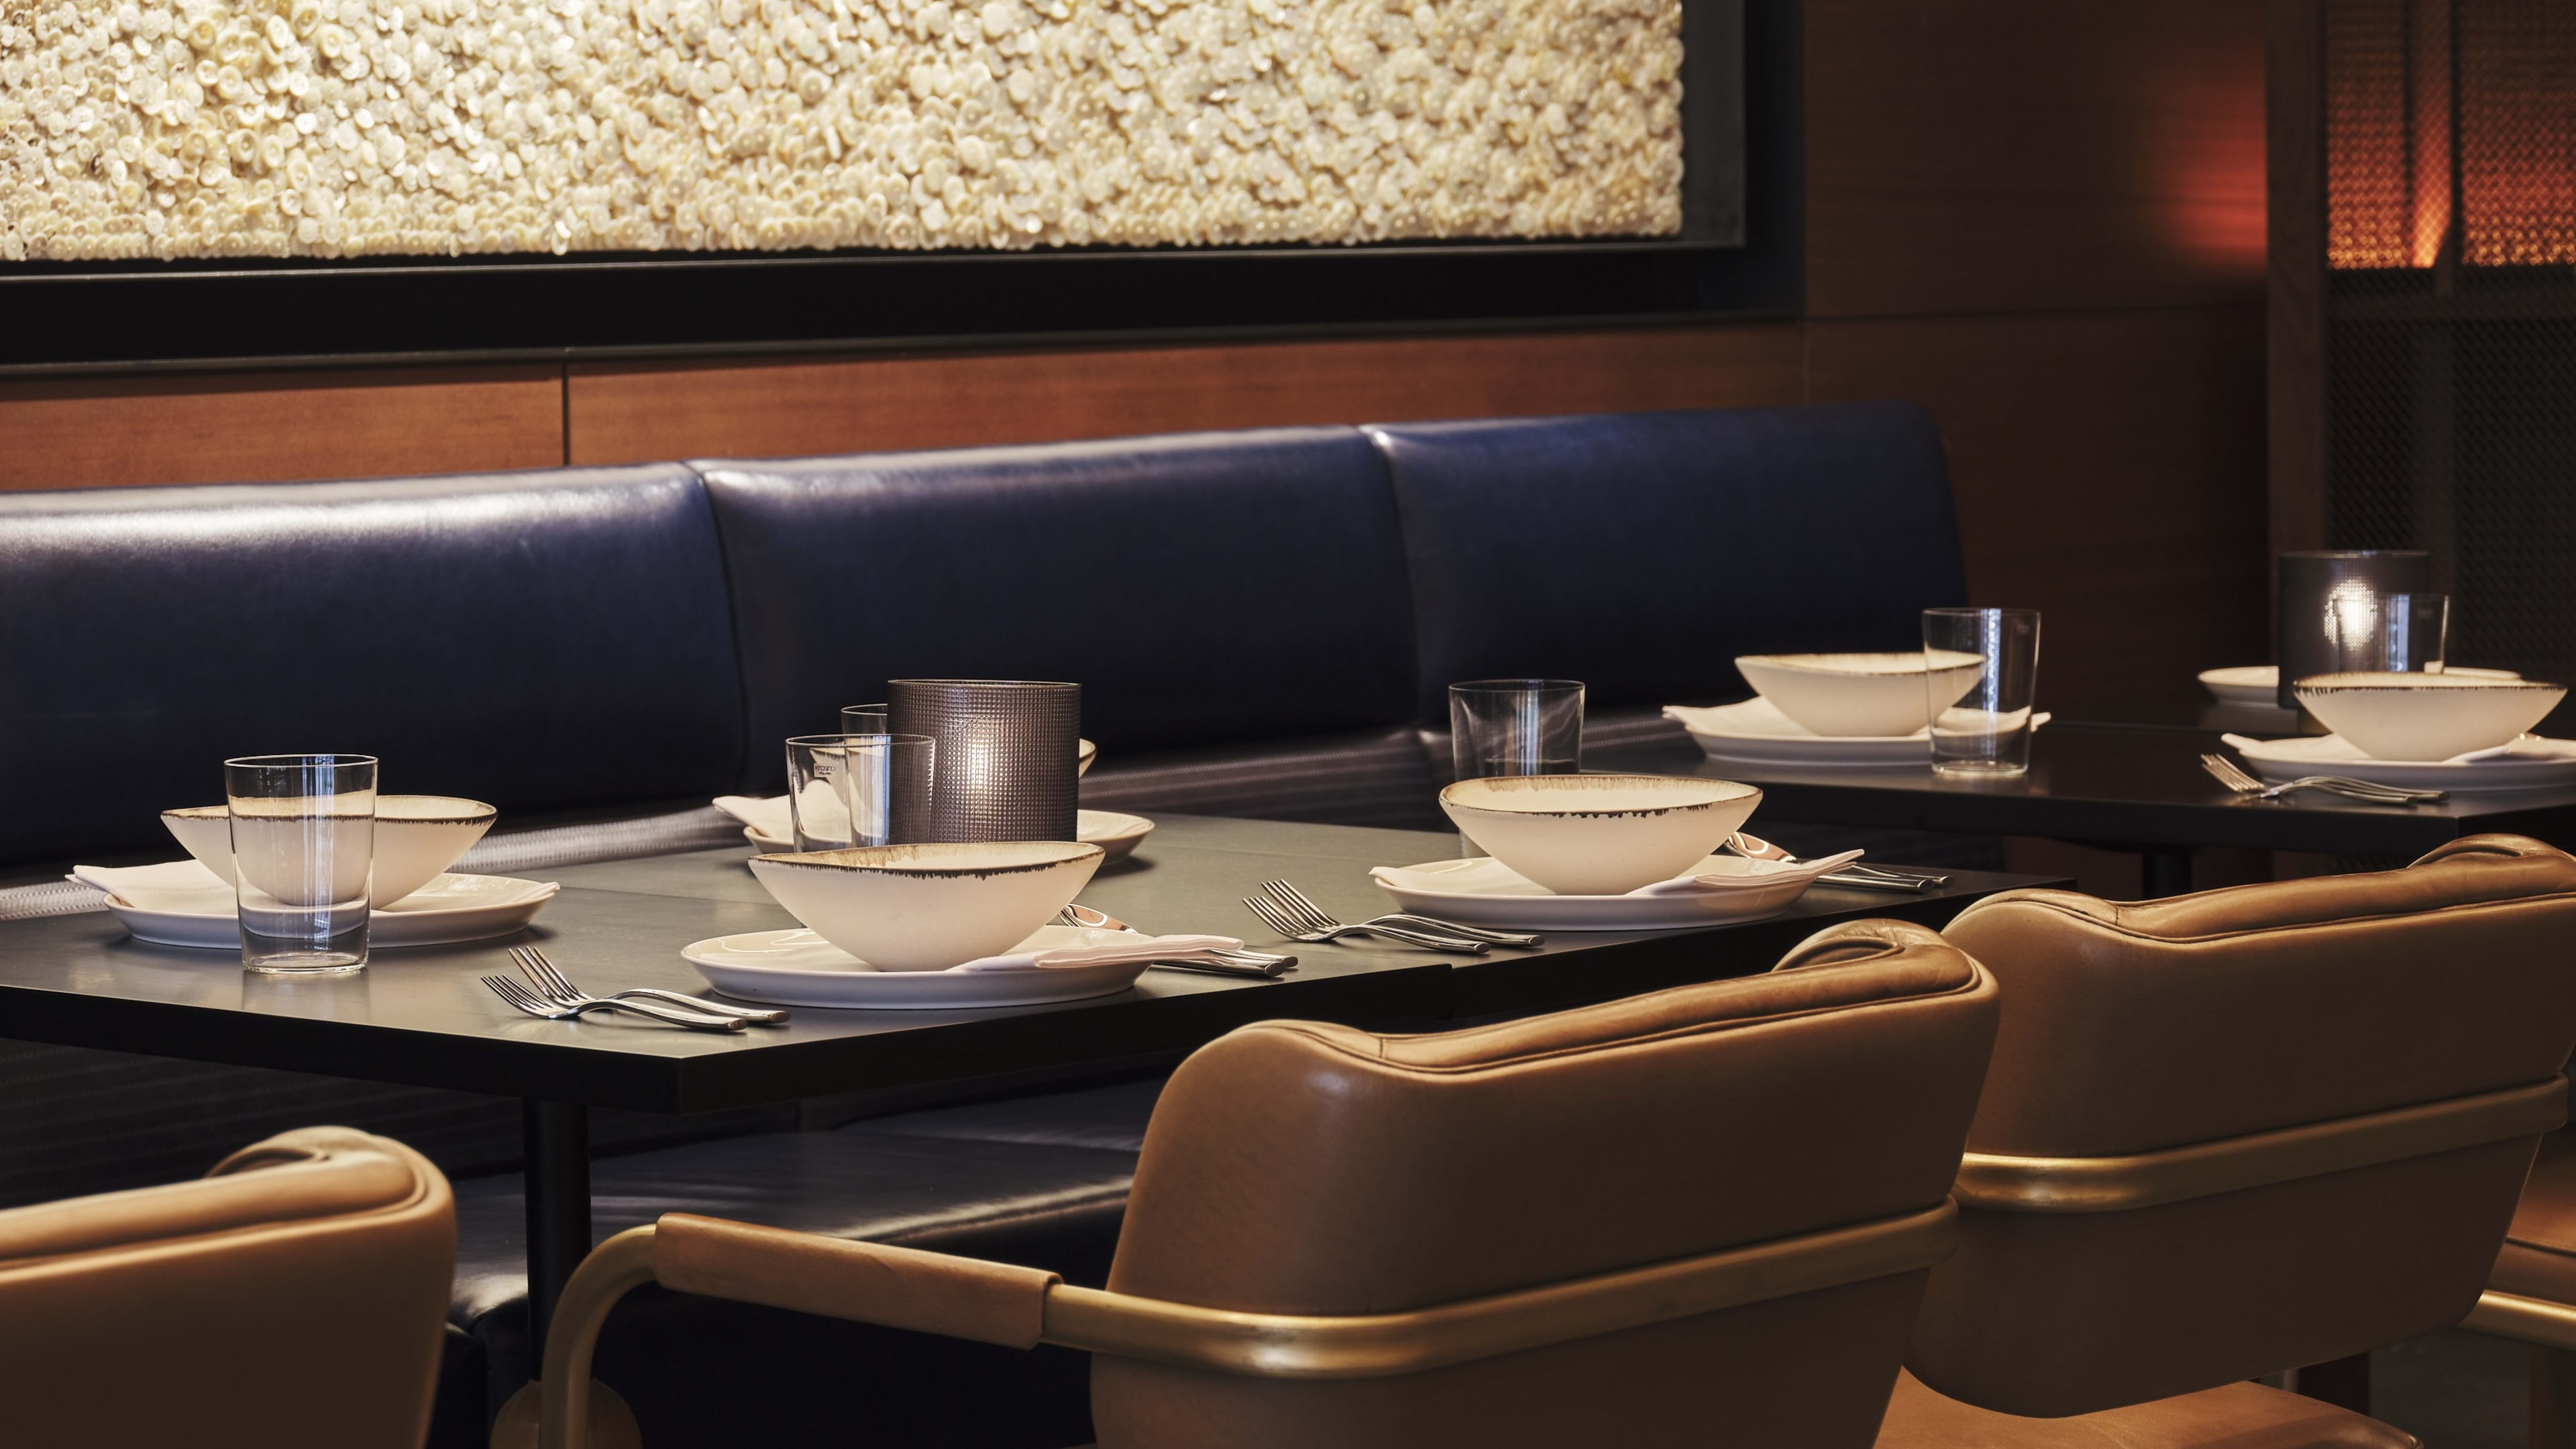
[2546,763]
[449,909]
[1117,835]
[2259,684]
[1485,892]
[1755,732]
[799,968]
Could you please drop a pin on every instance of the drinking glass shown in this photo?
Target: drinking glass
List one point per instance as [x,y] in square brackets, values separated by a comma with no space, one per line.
[2329,591]
[1986,733]
[304,846]
[2372,632]
[893,800]
[1516,727]
[863,719]
[886,787]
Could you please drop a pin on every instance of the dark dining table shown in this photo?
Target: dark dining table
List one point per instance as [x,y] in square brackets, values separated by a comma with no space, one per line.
[419,1016]
[2123,784]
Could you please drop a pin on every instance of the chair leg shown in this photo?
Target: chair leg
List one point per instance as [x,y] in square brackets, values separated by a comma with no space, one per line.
[2553,1398]
[2342,1382]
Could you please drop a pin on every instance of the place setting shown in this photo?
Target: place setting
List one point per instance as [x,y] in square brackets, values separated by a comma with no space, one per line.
[1553,848]
[308,863]
[1880,709]
[933,860]
[2364,645]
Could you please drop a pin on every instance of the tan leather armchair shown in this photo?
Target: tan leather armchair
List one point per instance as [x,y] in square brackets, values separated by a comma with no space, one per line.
[2236,1132]
[1706,1212]
[293,1298]
[2531,1294]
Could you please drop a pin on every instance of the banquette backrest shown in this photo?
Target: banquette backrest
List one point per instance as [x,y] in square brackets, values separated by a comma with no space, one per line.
[1641,552]
[1260,619]
[1209,588]
[553,638]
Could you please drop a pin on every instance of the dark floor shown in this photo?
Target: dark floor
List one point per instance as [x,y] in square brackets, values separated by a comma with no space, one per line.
[2453,1390]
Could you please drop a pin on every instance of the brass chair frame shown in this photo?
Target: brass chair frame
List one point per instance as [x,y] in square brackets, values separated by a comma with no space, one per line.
[1022,1307]
[1997,1183]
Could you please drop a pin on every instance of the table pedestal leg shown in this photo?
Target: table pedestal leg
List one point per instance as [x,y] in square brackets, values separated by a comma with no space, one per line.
[556,1138]
[2164,870]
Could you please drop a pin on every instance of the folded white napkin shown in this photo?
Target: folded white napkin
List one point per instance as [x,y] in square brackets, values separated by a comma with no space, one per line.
[149,887]
[2330,748]
[1103,947]
[768,816]
[1754,872]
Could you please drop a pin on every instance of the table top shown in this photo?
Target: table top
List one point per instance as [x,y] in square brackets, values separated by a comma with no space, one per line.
[419,1016]
[2112,785]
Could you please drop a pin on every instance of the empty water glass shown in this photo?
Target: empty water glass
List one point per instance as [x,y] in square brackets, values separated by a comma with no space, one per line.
[2367,631]
[1985,734]
[886,785]
[1516,727]
[863,719]
[304,840]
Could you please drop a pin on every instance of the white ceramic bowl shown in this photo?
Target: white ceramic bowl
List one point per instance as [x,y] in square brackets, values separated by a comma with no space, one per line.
[929,907]
[1598,835]
[417,838]
[2426,717]
[1084,752]
[1861,695]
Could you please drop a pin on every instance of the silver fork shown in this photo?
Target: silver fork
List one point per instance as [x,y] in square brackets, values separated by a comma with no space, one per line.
[1302,908]
[535,1005]
[556,986]
[2226,772]
[1276,917]
[1264,964]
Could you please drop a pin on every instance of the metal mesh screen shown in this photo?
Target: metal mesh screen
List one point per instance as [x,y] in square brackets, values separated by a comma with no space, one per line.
[2451,308]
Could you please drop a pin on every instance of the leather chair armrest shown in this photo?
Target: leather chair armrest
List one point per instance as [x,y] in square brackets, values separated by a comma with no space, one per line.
[872,1282]
[1022,1307]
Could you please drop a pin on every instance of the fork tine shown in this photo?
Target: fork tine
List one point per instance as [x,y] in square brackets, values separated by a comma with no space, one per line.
[1296,907]
[516,995]
[2225,772]
[553,981]
[1270,916]
[545,989]
[1304,905]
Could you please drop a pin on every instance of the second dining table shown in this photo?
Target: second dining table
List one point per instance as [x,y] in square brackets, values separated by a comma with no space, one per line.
[420,1016]
[2121,786]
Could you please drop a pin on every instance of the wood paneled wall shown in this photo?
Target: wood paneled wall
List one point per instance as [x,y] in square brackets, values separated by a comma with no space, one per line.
[2042,220]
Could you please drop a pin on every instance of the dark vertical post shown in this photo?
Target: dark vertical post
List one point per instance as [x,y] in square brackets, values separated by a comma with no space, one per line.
[2164,870]
[2342,1382]
[2294,125]
[557,1145]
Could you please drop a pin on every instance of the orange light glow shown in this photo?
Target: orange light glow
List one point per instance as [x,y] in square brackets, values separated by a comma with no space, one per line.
[2391,115]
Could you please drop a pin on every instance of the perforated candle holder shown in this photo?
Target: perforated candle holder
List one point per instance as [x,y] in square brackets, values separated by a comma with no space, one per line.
[1006,754]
